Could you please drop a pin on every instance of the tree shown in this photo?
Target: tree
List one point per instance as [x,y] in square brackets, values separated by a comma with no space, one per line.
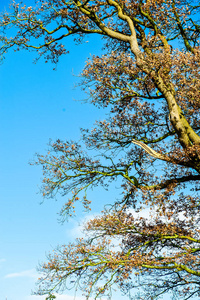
[149,79]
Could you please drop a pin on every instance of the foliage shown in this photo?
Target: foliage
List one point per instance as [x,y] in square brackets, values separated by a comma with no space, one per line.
[149,79]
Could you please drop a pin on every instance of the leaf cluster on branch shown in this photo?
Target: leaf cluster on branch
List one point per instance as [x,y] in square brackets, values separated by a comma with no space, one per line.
[148,77]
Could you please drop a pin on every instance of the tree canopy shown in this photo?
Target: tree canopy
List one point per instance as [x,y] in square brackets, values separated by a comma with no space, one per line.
[148,77]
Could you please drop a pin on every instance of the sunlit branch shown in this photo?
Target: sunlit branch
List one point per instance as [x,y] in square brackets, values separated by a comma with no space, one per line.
[182,31]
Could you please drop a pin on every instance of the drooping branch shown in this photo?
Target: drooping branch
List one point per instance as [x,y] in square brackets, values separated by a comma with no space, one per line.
[151,151]
[164,157]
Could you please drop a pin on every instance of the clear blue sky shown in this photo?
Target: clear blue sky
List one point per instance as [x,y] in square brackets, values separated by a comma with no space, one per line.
[36,103]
